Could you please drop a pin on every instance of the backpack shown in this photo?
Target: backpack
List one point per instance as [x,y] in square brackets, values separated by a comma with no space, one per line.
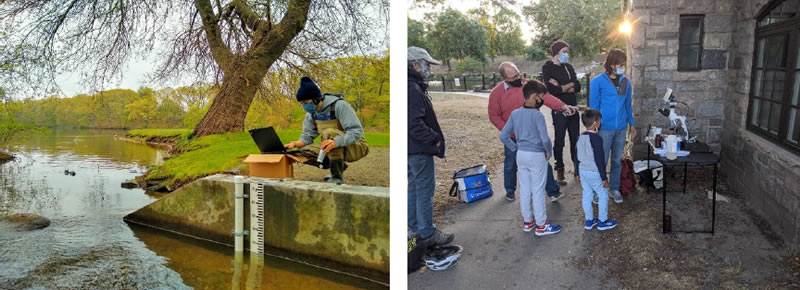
[417,247]
[627,179]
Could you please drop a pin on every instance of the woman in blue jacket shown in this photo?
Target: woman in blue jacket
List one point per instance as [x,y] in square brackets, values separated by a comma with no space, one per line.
[610,93]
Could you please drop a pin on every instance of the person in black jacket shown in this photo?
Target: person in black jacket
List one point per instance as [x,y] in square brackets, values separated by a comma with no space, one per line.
[425,140]
[561,81]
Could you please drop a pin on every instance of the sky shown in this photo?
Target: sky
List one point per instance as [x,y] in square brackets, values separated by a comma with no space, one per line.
[136,69]
[464,5]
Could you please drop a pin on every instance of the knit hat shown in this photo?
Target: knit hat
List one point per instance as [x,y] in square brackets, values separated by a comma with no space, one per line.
[557,46]
[308,90]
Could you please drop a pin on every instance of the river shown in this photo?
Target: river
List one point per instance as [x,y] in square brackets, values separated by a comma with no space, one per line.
[88,245]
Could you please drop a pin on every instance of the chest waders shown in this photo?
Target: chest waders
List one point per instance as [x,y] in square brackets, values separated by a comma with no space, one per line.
[337,156]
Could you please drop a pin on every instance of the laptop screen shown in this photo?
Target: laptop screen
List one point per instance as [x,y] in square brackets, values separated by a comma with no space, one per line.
[267,140]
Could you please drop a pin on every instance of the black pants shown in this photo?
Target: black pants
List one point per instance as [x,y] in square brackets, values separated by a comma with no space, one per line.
[562,124]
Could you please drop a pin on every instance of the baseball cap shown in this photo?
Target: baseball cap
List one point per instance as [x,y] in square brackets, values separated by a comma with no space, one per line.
[415,53]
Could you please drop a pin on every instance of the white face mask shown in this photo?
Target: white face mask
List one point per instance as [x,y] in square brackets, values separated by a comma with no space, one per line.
[620,71]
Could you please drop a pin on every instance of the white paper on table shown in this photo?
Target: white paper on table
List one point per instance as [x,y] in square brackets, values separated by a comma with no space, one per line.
[663,152]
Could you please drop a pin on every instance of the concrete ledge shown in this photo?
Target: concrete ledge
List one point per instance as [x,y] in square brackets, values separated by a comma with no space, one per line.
[343,224]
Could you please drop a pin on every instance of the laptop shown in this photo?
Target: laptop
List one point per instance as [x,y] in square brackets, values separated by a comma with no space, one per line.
[268,141]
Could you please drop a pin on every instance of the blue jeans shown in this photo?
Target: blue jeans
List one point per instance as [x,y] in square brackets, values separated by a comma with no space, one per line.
[613,145]
[592,184]
[421,185]
[510,174]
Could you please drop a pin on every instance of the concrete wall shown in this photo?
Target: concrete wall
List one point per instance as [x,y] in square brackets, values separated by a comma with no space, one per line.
[766,175]
[342,224]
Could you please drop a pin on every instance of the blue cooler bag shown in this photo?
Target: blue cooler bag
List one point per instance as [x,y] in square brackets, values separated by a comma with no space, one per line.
[471,184]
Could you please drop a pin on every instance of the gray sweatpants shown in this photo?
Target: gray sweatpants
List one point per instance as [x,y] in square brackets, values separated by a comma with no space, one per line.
[532,178]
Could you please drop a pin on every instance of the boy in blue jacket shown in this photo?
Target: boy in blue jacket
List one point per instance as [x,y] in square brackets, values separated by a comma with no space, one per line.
[592,172]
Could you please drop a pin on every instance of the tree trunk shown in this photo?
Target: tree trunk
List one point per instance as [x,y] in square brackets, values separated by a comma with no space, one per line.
[230,106]
[448,65]
[244,72]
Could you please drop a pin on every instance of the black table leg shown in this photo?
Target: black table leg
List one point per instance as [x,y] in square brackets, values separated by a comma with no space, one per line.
[648,166]
[684,178]
[664,204]
[714,200]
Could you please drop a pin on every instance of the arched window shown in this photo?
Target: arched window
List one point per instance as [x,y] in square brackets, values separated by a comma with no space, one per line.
[774,107]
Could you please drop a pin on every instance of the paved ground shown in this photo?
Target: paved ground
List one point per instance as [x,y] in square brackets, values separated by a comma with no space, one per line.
[499,255]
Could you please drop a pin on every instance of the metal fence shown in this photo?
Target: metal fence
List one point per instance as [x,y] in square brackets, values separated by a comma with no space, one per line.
[485,82]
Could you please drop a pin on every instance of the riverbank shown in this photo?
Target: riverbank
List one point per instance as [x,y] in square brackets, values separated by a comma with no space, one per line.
[5,157]
[223,153]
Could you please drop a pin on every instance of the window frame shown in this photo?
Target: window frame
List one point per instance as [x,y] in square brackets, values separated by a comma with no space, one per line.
[681,45]
[791,28]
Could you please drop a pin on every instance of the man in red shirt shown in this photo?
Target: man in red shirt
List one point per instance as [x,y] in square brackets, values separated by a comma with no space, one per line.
[505,98]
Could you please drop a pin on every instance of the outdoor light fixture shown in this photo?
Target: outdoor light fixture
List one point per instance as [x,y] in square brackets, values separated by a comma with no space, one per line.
[625,27]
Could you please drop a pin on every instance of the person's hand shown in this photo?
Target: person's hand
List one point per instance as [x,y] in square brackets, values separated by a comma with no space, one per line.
[553,81]
[546,157]
[438,143]
[578,178]
[327,145]
[633,132]
[295,144]
[571,90]
[605,183]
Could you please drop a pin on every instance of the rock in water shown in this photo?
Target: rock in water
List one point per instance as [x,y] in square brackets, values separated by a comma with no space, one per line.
[129,184]
[25,222]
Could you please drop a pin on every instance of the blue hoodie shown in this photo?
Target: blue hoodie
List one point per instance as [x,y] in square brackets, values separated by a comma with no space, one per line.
[615,105]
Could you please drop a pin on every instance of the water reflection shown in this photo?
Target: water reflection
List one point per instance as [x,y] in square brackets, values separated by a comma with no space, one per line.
[207,265]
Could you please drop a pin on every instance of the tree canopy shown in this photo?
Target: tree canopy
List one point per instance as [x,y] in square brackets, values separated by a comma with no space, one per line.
[587,25]
[502,25]
[455,36]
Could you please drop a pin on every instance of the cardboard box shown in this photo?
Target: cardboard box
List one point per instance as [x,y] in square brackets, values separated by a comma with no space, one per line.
[272,165]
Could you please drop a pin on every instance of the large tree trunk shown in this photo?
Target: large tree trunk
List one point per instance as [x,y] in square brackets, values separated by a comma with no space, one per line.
[244,72]
[230,106]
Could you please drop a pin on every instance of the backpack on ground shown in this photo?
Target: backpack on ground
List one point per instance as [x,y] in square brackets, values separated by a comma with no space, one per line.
[471,184]
[627,179]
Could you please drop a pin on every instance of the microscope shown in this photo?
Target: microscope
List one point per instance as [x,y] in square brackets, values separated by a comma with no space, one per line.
[677,122]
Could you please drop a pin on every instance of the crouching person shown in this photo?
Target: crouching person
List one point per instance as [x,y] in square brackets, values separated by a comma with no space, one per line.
[335,121]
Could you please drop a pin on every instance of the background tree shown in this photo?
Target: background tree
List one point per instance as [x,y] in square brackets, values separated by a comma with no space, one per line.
[454,36]
[234,42]
[416,34]
[470,65]
[503,32]
[587,25]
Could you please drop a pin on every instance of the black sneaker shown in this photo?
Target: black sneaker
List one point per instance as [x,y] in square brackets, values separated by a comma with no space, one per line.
[556,197]
[439,238]
[442,258]
[510,196]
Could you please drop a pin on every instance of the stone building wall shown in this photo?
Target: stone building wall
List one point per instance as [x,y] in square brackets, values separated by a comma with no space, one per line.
[765,174]
[654,66]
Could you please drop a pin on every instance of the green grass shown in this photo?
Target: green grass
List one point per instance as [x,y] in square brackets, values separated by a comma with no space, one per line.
[216,153]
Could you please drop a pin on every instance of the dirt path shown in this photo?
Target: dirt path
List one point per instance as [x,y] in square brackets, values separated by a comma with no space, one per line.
[743,253]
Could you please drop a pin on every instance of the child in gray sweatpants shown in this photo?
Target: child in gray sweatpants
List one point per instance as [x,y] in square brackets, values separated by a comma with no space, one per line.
[533,148]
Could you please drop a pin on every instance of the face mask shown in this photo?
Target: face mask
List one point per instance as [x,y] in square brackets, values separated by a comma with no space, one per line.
[426,68]
[620,71]
[310,107]
[563,58]
[515,83]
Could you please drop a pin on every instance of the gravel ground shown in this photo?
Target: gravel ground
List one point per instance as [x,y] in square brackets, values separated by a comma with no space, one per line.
[372,170]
